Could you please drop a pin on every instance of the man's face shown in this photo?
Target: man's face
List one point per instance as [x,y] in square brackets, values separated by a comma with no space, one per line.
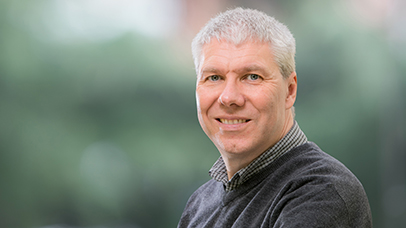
[243,101]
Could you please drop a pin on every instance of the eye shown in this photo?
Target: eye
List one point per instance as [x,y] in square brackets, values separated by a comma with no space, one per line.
[253,77]
[214,78]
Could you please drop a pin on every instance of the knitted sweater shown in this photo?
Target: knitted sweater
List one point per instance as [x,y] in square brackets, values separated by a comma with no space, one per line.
[303,188]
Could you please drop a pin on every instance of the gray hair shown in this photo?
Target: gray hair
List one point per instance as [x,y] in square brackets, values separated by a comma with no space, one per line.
[241,25]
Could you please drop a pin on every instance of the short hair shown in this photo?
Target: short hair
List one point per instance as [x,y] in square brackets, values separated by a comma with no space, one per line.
[240,25]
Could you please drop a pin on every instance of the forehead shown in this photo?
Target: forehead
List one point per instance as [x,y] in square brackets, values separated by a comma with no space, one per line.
[222,54]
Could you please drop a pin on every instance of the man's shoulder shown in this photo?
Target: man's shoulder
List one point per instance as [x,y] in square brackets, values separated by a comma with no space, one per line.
[309,173]
[309,162]
[309,158]
[209,186]
[209,191]
[206,198]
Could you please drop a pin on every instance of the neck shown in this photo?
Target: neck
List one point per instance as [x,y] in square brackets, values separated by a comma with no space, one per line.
[233,165]
[235,162]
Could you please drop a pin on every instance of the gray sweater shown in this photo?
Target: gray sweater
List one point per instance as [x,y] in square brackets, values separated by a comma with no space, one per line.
[303,188]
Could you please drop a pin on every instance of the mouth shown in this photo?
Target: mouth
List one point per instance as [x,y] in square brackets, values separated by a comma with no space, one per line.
[235,121]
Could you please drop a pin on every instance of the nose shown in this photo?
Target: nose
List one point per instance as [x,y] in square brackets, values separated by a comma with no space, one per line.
[231,95]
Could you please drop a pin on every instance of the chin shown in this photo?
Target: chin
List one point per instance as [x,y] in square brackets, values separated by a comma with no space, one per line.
[235,149]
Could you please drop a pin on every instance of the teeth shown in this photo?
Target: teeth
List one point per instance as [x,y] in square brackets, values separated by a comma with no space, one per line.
[225,121]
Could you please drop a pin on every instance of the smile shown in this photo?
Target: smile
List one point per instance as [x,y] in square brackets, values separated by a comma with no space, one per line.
[237,121]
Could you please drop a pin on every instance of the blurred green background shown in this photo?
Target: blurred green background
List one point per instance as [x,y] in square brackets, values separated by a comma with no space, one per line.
[97,107]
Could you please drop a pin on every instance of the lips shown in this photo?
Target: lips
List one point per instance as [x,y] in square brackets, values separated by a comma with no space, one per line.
[232,121]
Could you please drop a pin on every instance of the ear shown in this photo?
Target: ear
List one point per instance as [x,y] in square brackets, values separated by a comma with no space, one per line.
[292,90]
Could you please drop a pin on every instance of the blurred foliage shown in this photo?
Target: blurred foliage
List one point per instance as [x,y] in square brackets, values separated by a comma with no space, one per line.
[104,133]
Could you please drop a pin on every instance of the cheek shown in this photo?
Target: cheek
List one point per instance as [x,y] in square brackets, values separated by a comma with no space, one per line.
[269,104]
[204,100]
[264,100]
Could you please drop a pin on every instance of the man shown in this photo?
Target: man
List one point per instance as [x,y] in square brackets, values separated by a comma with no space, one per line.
[268,174]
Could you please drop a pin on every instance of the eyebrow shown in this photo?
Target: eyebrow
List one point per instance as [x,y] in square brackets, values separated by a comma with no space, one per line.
[248,68]
[210,70]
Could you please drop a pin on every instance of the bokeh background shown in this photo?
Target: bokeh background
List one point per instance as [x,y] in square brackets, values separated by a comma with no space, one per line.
[98,125]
